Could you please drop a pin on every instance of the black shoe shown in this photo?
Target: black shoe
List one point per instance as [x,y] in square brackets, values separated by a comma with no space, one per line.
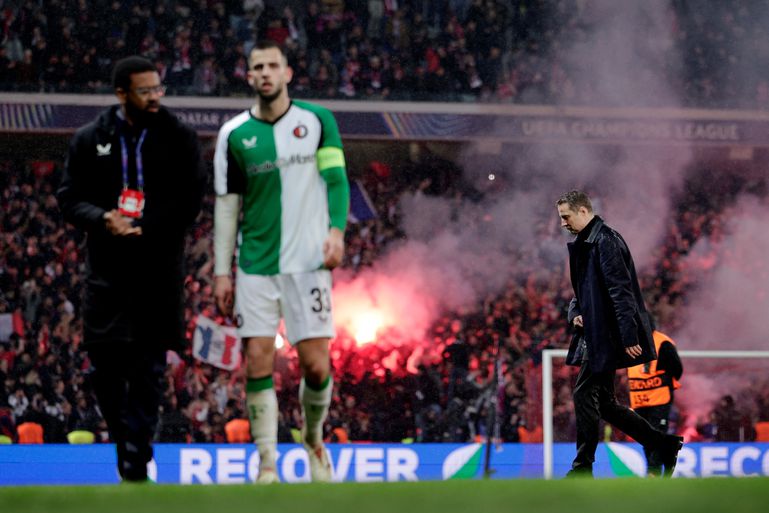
[583,472]
[146,480]
[668,453]
[653,464]
[654,470]
[132,473]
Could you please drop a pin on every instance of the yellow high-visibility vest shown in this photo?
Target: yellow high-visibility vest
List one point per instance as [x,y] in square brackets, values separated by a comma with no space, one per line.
[648,385]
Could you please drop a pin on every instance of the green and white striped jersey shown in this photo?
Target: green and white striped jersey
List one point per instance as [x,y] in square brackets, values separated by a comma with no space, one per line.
[291,175]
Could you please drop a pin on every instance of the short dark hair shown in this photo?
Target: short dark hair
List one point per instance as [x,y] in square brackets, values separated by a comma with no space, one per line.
[576,199]
[266,44]
[124,68]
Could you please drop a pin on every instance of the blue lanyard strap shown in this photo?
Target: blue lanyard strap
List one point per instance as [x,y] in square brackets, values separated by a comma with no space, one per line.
[139,163]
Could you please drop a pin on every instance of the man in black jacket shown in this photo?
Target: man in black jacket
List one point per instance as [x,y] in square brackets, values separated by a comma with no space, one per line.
[612,331]
[133,181]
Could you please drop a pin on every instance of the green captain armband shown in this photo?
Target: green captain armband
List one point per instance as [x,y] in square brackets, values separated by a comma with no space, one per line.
[330,157]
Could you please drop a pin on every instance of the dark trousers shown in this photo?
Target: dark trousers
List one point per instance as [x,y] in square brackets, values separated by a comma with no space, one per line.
[128,381]
[657,416]
[594,400]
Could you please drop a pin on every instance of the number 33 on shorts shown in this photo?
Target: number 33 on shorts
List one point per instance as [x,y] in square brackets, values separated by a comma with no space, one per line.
[302,299]
[321,302]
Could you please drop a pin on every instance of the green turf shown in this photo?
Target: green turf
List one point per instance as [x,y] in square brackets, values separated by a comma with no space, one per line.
[749,495]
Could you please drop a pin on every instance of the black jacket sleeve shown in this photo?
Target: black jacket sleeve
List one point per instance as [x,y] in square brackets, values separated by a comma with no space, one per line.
[618,283]
[197,179]
[71,192]
[573,310]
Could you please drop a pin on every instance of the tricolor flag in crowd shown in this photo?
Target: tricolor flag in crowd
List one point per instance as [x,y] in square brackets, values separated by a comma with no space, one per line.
[11,323]
[216,344]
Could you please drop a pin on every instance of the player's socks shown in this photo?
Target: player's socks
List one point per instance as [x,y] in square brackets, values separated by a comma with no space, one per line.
[262,405]
[315,402]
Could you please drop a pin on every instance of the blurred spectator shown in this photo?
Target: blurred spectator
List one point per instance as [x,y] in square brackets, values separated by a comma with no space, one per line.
[457,354]
[730,423]
[726,420]
[206,79]
[762,426]
[238,431]
[30,433]
[174,426]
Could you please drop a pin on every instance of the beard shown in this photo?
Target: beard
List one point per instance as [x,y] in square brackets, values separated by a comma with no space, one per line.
[269,98]
[141,117]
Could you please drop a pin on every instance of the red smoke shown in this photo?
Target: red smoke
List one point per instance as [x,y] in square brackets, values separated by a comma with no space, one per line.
[374,303]
[383,320]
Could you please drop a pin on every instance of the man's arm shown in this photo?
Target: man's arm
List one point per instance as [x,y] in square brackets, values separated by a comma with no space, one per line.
[574,315]
[194,186]
[338,208]
[74,205]
[333,170]
[618,283]
[226,211]
[229,184]
[71,194]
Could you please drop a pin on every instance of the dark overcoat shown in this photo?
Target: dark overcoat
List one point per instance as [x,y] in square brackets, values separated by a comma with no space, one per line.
[134,285]
[608,298]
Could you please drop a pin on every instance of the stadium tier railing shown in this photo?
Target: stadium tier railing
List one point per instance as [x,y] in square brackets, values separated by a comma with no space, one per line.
[431,121]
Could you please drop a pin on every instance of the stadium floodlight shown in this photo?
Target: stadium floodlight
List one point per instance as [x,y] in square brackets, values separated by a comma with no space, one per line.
[547,391]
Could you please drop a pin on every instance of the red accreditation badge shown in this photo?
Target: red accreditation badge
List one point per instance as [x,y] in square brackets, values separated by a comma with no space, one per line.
[131,203]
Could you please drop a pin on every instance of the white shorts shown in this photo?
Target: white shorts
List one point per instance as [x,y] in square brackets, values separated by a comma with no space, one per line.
[303,300]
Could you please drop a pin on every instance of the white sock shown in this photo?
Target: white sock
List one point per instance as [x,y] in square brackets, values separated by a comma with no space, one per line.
[315,405]
[263,416]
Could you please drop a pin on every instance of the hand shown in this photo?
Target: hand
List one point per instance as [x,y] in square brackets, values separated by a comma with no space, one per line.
[578,322]
[121,226]
[634,351]
[333,248]
[223,294]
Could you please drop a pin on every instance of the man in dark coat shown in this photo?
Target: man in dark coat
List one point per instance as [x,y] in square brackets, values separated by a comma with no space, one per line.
[133,181]
[612,331]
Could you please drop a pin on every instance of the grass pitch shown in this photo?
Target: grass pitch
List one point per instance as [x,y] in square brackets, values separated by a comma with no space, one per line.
[749,495]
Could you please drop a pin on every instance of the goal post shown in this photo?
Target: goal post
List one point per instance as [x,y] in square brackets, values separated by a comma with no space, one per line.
[548,355]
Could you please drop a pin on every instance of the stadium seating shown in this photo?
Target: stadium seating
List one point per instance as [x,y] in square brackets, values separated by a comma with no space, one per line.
[490,50]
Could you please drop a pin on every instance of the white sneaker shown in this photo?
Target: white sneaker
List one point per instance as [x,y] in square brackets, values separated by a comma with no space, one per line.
[267,476]
[320,463]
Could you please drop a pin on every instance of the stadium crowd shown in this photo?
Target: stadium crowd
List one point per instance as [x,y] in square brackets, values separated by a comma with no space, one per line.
[443,385]
[460,50]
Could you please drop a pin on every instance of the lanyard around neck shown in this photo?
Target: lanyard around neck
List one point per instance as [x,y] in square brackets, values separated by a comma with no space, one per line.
[139,163]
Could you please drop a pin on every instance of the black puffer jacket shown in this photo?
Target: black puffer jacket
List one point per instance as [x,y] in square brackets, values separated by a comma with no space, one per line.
[134,285]
[608,297]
